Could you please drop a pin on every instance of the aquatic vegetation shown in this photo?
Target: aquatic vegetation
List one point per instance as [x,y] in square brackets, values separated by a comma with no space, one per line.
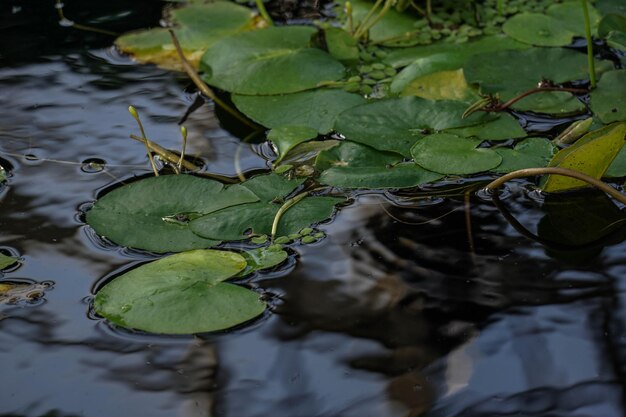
[383,96]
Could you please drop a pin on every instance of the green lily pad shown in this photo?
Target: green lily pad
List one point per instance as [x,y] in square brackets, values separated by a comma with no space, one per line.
[450,154]
[341,45]
[180,294]
[275,60]
[611,6]
[529,153]
[538,29]
[591,155]
[610,23]
[518,71]
[570,15]
[307,151]
[351,165]
[154,213]
[316,109]
[6,261]
[442,85]
[608,100]
[503,128]
[262,258]
[617,40]
[197,27]
[286,138]
[551,102]
[395,124]
[447,56]
[237,223]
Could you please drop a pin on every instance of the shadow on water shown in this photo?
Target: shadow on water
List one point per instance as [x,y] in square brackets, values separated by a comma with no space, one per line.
[398,312]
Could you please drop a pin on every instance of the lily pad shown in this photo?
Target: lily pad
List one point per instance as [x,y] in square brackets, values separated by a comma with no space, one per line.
[448,56]
[241,222]
[389,28]
[395,124]
[529,153]
[551,102]
[6,261]
[262,258]
[197,27]
[341,45]
[307,151]
[503,128]
[180,294]
[518,71]
[608,100]
[351,165]
[275,60]
[591,155]
[154,213]
[286,138]
[612,22]
[450,154]
[316,109]
[538,29]
[442,85]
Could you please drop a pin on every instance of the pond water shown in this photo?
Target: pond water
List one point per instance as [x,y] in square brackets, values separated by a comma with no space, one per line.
[402,310]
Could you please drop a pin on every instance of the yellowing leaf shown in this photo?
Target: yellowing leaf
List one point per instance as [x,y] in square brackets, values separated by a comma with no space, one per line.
[442,85]
[591,155]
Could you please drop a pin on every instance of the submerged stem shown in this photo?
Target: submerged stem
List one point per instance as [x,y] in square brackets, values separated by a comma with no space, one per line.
[590,60]
[531,172]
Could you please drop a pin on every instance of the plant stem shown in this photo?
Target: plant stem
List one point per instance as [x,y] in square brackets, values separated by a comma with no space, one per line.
[183,132]
[349,11]
[281,211]
[382,14]
[133,112]
[531,172]
[165,154]
[363,22]
[203,87]
[500,7]
[590,60]
[263,12]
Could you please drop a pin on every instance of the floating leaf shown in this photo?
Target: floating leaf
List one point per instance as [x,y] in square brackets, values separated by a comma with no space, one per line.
[450,154]
[197,27]
[240,222]
[608,100]
[341,45]
[443,85]
[154,213]
[351,165]
[591,155]
[502,128]
[262,258]
[307,151]
[180,294]
[395,124]
[612,22]
[316,109]
[570,15]
[518,71]
[285,138]
[275,60]
[551,102]
[6,261]
[447,56]
[538,29]
[529,153]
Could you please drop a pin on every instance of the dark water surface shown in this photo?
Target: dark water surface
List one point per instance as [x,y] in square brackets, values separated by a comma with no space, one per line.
[396,313]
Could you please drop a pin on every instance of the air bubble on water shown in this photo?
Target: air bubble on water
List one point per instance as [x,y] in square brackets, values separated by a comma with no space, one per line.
[66,23]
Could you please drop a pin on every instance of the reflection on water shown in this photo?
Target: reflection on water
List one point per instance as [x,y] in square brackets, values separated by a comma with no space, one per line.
[398,312]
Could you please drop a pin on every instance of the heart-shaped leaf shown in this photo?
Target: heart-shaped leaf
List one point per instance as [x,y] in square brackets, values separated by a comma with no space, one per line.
[450,154]
[6,261]
[286,138]
[352,165]
[197,27]
[529,153]
[154,213]
[394,125]
[275,60]
[316,109]
[180,294]
[262,258]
